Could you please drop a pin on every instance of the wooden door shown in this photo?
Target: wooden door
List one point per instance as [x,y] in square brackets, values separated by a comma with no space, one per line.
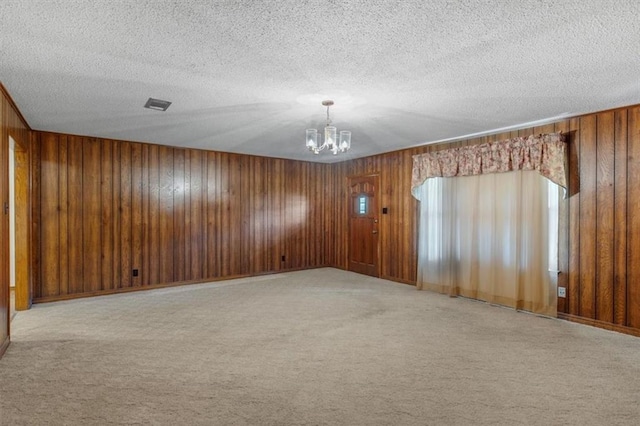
[363,225]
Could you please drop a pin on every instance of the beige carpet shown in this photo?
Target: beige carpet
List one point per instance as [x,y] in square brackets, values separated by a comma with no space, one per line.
[310,348]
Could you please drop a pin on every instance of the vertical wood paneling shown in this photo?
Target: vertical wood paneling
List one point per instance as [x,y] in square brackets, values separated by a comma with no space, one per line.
[318,255]
[235,215]
[620,219]
[106,225]
[277,213]
[212,214]
[293,209]
[327,208]
[387,228]
[125,215]
[22,212]
[50,237]
[633,218]
[136,212]
[166,215]
[180,248]
[225,214]
[220,213]
[195,221]
[313,216]
[268,224]
[408,217]
[257,248]
[76,203]
[116,167]
[547,128]
[604,216]
[302,246]
[188,194]
[91,211]
[63,216]
[288,229]
[245,213]
[154,216]
[588,215]
[146,215]
[573,290]
[203,214]
[36,222]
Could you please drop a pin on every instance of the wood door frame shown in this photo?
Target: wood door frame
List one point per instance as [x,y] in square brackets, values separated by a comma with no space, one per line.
[23,287]
[5,323]
[14,127]
[348,212]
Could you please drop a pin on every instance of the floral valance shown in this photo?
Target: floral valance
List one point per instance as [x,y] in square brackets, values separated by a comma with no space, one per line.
[544,153]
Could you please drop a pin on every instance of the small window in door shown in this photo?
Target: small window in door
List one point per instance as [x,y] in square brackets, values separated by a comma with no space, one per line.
[362,204]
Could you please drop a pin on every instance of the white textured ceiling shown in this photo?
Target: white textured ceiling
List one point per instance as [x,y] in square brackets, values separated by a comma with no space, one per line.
[249,76]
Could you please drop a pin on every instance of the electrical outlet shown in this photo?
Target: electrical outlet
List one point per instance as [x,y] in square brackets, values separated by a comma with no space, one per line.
[562,292]
[283,258]
[135,272]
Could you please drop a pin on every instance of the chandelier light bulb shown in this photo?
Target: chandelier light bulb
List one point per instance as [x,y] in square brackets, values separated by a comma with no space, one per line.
[312,139]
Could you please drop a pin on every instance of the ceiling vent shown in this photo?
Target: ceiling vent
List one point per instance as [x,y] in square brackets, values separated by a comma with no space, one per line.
[157,104]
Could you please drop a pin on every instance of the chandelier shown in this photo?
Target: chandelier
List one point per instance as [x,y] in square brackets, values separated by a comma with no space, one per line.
[331,143]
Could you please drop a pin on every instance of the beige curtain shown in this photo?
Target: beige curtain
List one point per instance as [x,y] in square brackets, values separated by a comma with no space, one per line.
[491,237]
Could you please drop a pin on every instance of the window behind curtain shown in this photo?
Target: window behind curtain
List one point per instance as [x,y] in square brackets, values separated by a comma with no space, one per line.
[491,237]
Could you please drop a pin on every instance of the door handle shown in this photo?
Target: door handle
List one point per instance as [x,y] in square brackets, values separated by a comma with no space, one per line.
[374,231]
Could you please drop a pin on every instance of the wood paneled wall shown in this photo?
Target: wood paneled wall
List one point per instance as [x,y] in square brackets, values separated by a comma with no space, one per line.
[599,222]
[603,246]
[11,124]
[108,207]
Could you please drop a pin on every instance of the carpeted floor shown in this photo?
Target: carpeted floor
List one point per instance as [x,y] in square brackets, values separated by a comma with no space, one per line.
[310,348]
